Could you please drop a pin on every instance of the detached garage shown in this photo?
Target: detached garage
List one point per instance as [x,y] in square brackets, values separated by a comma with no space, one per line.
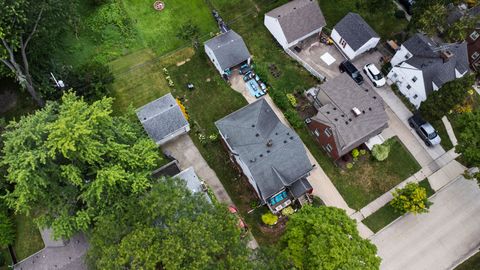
[353,36]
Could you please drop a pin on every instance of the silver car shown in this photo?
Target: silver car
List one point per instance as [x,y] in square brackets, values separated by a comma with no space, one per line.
[425,130]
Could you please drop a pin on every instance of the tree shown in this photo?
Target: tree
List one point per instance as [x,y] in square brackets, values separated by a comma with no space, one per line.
[432,18]
[381,151]
[410,199]
[446,98]
[168,228]
[326,238]
[71,162]
[91,80]
[20,23]
[468,125]
[189,32]
[7,230]
[459,30]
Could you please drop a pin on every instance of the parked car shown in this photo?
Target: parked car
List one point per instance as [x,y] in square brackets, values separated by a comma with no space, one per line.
[425,130]
[374,75]
[408,4]
[350,69]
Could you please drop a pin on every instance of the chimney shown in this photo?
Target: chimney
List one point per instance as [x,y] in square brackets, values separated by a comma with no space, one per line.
[446,55]
[356,111]
[269,143]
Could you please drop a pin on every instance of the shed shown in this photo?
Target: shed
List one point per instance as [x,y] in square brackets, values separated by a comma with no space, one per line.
[227,51]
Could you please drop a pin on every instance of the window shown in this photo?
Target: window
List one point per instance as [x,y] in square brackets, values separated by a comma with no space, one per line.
[474,35]
[415,96]
[409,87]
[408,55]
[328,132]
[475,55]
[414,79]
[316,133]
[343,42]
[329,148]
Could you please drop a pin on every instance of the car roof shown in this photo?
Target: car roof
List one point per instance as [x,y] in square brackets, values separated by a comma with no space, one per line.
[373,68]
[349,65]
[428,128]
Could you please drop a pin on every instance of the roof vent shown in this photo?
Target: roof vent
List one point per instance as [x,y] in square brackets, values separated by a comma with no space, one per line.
[270,143]
[261,155]
[328,112]
[346,122]
[268,151]
[369,108]
[253,125]
[374,97]
[285,141]
[253,160]
[356,111]
[291,138]
[336,119]
[256,135]
[334,108]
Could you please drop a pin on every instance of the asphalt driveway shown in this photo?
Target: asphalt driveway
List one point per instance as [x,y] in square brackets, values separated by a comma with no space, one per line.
[436,240]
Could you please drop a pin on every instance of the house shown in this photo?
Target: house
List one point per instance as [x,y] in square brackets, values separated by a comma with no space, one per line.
[353,36]
[269,154]
[192,181]
[422,66]
[348,115]
[163,119]
[227,51]
[57,254]
[294,22]
[473,48]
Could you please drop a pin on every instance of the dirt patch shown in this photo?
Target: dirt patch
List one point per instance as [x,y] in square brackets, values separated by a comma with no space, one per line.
[304,108]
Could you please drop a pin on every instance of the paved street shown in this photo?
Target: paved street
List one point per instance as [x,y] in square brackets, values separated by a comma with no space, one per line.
[436,240]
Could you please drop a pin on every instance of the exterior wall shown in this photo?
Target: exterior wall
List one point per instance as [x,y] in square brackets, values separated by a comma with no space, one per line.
[401,55]
[295,42]
[403,76]
[273,26]
[174,135]
[213,59]
[323,140]
[348,51]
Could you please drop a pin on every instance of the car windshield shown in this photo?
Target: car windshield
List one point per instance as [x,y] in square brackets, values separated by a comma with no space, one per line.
[355,74]
[432,135]
[377,76]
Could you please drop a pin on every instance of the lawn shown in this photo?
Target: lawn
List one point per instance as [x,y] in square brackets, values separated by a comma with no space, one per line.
[446,143]
[473,263]
[28,239]
[387,214]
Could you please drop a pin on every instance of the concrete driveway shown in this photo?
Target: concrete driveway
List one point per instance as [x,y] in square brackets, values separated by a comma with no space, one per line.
[436,240]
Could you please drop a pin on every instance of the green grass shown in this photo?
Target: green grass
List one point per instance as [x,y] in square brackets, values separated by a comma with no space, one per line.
[28,239]
[473,263]
[387,214]
[446,143]
[6,258]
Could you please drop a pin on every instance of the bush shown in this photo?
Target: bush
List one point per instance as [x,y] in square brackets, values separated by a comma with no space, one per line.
[269,219]
[363,152]
[400,14]
[412,199]
[288,211]
[317,202]
[292,100]
[280,99]
[7,230]
[294,119]
[349,165]
[380,151]
[355,153]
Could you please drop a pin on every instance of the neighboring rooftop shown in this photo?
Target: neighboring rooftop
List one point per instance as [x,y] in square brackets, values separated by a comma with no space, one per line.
[162,117]
[355,30]
[355,113]
[229,49]
[298,18]
[273,153]
[430,57]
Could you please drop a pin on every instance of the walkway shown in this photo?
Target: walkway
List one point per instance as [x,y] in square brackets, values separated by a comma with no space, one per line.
[439,173]
[439,239]
[184,150]
[450,132]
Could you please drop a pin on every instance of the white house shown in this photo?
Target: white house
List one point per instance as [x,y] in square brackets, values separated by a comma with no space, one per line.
[294,22]
[353,36]
[227,51]
[422,66]
[163,120]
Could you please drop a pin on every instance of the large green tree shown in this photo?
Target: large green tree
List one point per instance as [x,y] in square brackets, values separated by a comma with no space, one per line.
[468,125]
[168,228]
[410,199]
[23,21]
[71,162]
[446,98]
[326,238]
[431,18]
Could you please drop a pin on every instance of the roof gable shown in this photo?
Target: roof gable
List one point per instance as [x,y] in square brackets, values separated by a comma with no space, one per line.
[355,30]
[229,49]
[298,18]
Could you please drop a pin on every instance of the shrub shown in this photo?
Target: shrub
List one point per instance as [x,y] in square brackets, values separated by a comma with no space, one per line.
[288,211]
[7,230]
[400,14]
[292,100]
[213,137]
[317,202]
[355,153]
[363,152]
[349,165]
[380,151]
[280,99]
[412,199]
[269,219]
[294,119]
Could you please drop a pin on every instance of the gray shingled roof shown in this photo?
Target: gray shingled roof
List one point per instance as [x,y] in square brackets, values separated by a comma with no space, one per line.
[229,49]
[355,30]
[281,165]
[338,97]
[161,117]
[298,18]
[426,56]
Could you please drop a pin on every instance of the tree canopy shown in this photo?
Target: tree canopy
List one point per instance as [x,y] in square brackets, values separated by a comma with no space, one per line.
[326,238]
[71,162]
[446,98]
[412,199]
[469,138]
[168,228]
